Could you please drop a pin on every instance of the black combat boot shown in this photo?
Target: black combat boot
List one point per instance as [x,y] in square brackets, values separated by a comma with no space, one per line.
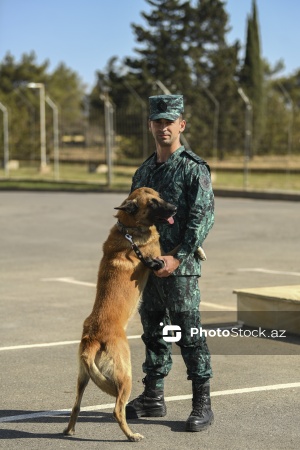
[150,403]
[201,416]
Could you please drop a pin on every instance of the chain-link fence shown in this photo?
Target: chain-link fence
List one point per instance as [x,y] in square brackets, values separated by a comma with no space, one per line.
[223,133]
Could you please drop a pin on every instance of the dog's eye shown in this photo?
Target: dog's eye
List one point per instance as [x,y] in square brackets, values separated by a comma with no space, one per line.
[154,202]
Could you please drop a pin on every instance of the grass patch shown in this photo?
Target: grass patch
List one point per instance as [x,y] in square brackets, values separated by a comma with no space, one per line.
[71,177]
[78,177]
[259,181]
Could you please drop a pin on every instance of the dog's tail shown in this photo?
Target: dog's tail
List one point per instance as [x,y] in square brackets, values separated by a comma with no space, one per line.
[99,366]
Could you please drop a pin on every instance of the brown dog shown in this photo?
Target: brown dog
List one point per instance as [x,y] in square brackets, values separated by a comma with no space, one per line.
[104,354]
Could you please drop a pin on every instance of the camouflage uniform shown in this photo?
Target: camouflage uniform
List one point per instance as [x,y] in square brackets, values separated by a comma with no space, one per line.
[184,180]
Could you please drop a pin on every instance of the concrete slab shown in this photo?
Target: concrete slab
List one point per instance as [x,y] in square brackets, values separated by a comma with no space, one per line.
[276,307]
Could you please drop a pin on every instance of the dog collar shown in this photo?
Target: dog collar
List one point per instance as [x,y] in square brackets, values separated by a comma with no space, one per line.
[128,230]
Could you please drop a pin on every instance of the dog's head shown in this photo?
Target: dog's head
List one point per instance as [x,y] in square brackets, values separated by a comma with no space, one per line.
[145,207]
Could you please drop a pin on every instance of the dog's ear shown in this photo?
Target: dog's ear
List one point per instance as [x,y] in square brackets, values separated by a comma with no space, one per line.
[129,206]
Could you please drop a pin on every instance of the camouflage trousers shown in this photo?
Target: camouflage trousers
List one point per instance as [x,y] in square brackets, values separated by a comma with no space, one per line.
[173,300]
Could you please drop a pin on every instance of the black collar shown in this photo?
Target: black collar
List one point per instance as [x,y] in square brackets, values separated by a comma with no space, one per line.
[131,230]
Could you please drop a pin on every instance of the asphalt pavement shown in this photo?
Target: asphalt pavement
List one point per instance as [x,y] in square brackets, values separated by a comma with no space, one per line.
[51,244]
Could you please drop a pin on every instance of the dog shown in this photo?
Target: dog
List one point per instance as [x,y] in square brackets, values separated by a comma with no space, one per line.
[104,354]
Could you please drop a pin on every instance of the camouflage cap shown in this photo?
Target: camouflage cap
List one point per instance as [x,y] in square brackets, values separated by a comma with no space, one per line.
[165,107]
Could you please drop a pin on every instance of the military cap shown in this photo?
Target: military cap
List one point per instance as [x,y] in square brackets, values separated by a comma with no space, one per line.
[165,107]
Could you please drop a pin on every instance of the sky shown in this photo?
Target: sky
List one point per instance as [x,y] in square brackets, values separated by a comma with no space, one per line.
[85,34]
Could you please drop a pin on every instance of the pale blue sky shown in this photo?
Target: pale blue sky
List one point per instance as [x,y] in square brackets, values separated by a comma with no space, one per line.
[84,34]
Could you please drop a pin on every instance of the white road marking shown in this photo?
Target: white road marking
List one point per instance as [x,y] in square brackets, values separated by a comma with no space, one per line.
[218,306]
[72,280]
[52,344]
[272,272]
[272,387]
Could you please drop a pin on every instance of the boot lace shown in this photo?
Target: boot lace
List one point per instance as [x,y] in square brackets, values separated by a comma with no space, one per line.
[143,394]
[198,402]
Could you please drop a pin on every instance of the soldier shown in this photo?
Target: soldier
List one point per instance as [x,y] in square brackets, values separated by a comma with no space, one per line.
[172,294]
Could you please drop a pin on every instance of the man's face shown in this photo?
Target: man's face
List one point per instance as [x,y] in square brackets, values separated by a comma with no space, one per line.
[166,132]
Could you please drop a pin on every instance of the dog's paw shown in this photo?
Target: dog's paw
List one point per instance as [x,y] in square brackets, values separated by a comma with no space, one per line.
[68,432]
[136,437]
[154,263]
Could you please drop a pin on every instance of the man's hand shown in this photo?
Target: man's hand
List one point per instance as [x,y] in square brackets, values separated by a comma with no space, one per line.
[171,264]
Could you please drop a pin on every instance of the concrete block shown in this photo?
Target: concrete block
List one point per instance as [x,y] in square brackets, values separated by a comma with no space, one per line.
[276,308]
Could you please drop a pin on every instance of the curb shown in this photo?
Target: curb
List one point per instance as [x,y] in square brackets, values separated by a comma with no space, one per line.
[291,196]
[70,187]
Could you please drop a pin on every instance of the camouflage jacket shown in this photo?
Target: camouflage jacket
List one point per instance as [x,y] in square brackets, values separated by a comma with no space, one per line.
[184,180]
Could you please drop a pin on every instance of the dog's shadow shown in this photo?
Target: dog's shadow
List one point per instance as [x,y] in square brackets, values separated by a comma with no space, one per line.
[85,417]
[175,425]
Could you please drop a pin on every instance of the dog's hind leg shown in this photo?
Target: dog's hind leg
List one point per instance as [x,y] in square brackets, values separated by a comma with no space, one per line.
[82,381]
[124,388]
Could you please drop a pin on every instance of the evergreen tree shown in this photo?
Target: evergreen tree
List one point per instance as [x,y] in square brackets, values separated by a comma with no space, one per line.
[180,48]
[22,103]
[214,65]
[64,88]
[205,30]
[251,76]
[183,44]
[162,55]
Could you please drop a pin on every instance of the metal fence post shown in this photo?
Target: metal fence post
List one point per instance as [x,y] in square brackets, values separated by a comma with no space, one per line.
[41,87]
[55,136]
[108,116]
[290,127]
[5,139]
[248,132]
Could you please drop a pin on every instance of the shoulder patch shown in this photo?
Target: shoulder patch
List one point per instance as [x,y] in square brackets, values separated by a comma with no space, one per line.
[205,181]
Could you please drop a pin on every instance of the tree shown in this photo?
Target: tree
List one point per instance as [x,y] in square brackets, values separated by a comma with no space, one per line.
[67,90]
[183,44]
[23,107]
[161,55]
[180,47]
[64,88]
[206,25]
[213,66]
[251,76]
